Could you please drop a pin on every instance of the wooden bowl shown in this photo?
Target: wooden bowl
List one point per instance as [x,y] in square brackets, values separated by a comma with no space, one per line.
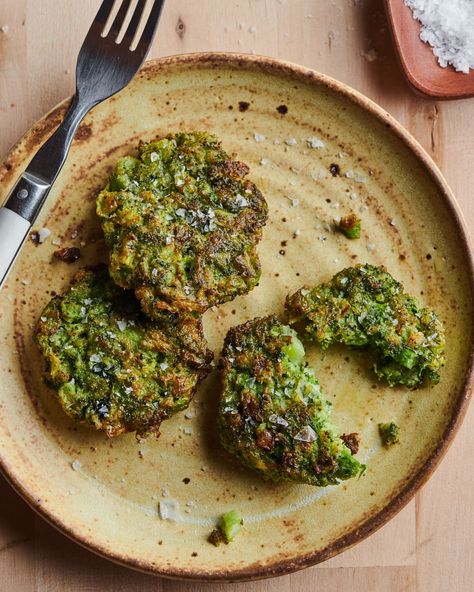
[105,493]
[419,63]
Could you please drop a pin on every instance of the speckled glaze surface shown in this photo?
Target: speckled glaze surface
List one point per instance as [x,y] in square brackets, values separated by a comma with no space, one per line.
[265,112]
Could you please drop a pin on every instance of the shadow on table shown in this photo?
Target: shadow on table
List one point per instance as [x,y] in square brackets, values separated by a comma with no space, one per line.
[385,71]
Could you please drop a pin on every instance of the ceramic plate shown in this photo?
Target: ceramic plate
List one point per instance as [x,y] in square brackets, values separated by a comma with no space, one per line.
[291,125]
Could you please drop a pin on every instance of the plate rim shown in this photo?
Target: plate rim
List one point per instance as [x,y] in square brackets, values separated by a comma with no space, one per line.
[379,519]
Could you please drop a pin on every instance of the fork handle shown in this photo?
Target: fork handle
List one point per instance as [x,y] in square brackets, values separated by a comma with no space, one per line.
[27,196]
[13,232]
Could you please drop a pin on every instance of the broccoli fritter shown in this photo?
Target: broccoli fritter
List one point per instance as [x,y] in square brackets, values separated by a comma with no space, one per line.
[113,368]
[182,224]
[365,306]
[272,414]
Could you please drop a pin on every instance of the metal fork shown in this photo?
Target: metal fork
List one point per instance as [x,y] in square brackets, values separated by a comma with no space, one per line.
[104,67]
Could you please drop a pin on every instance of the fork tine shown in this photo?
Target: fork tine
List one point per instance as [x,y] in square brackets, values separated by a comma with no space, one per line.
[103,13]
[120,17]
[134,22]
[149,30]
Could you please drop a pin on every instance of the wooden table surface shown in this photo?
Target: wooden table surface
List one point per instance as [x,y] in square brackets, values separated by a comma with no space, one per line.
[429,545]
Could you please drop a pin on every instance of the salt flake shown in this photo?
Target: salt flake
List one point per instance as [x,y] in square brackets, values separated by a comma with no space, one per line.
[315,143]
[43,234]
[169,510]
[307,434]
[370,55]
[241,201]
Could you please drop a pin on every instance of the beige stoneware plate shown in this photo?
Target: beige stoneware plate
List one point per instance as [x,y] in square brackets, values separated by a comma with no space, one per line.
[290,125]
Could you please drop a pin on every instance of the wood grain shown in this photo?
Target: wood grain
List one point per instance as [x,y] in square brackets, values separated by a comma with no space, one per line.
[429,545]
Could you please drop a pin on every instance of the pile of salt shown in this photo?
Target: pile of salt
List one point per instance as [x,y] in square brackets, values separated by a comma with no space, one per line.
[448,26]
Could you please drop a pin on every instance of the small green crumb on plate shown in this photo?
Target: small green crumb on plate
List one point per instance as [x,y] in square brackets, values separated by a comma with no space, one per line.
[389,433]
[228,528]
[350,226]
